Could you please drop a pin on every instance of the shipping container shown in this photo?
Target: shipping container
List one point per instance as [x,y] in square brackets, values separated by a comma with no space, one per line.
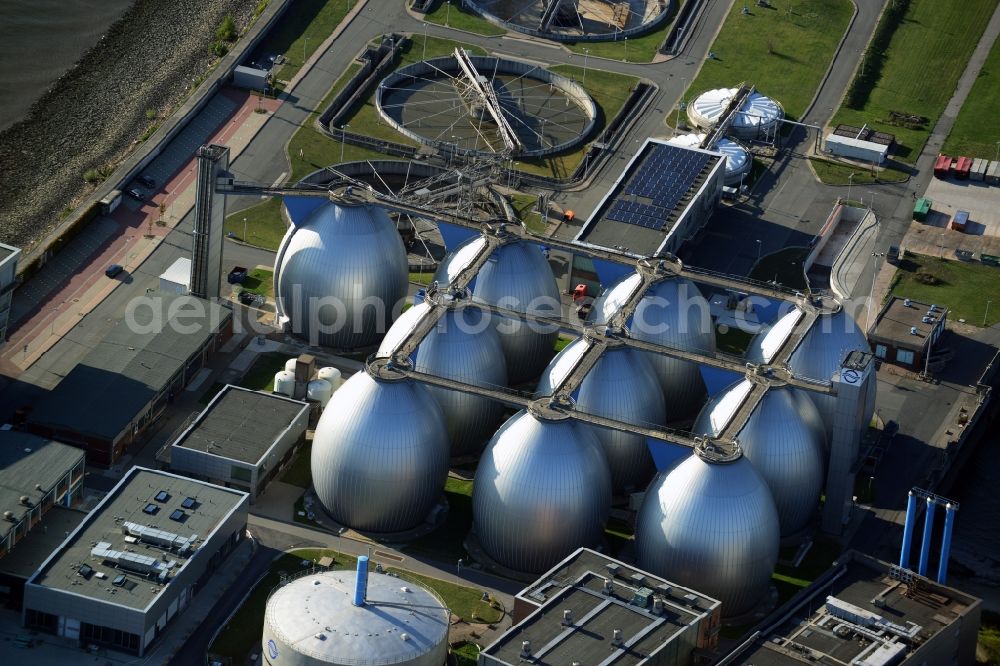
[962,167]
[960,220]
[979,167]
[993,173]
[921,209]
[942,165]
[110,201]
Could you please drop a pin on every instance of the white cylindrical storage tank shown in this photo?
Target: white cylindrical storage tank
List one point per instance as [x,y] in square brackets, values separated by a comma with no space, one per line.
[380,454]
[290,364]
[319,390]
[711,527]
[311,621]
[687,140]
[758,117]
[331,375]
[284,383]
[621,386]
[542,490]
[785,441]
[340,276]
[672,313]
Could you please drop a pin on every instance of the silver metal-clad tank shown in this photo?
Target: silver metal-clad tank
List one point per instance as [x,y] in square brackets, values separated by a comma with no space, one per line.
[818,356]
[340,275]
[784,439]
[711,527]
[319,390]
[284,382]
[621,386]
[290,364]
[463,346]
[312,621]
[331,375]
[380,454]
[542,489]
[517,276]
[672,313]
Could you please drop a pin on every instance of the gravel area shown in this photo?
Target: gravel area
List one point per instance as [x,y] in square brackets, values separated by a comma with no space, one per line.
[96,113]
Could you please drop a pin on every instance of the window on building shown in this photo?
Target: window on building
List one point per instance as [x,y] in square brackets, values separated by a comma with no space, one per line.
[239,473]
[880,351]
[40,620]
[95,633]
[904,356]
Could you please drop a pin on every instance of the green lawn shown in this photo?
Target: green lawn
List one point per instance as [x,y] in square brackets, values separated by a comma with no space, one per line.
[638,49]
[783,266]
[422,278]
[300,32]
[453,15]
[834,173]
[299,472]
[976,130]
[784,54]
[562,342]
[445,543]
[466,654]
[989,636]
[259,281]
[265,225]
[465,602]
[260,376]
[733,341]
[525,205]
[918,71]
[964,287]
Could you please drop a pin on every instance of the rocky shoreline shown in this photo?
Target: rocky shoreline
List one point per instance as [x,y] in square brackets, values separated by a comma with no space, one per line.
[97,112]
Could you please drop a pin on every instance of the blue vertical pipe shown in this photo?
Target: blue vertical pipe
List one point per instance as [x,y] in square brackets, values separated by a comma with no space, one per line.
[925,545]
[911,517]
[361,584]
[949,523]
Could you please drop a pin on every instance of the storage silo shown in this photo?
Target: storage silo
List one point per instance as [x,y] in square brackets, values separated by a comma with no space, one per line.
[340,276]
[517,276]
[785,441]
[380,454]
[284,383]
[319,390]
[331,375]
[738,161]
[672,313]
[712,527]
[758,117]
[314,621]
[542,489]
[621,386]
[463,346]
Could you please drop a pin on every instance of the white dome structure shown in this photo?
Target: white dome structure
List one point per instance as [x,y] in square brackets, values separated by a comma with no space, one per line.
[518,277]
[380,454]
[621,386]
[738,160]
[542,489]
[340,276]
[818,356]
[711,527]
[785,441]
[463,346]
[672,313]
[312,621]
[758,117]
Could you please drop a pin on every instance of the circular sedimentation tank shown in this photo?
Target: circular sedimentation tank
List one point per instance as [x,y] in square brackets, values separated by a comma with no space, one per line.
[380,454]
[621,386]
[759,116]
[785,441]
[575,20]
[340,275]
[542,490]
[738,161]
[312,621]
[711,527]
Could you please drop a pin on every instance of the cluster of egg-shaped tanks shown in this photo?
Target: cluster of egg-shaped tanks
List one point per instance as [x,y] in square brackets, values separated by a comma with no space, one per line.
[757,117]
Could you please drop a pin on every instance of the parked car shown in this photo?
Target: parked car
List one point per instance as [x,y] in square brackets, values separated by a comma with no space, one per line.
[146,181]
[237,275]
[136,194]
[113,270]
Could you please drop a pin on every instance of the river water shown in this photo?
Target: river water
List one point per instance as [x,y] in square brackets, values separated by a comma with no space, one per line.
[40,40]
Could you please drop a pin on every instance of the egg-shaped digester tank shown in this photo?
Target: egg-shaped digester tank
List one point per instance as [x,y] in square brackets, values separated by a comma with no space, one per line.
[620,386]
[818,356]
[380,454]
[340,276]
[673,313]
[517,276]
[757,117]
[319,390]
[784,439]
[311,621]
[542,489]
[712,527]
[463,346]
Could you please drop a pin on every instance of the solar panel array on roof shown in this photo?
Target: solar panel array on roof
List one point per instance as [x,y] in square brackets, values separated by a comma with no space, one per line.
[641,215]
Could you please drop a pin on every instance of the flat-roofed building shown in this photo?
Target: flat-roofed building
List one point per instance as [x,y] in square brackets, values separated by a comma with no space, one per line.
[136,561]
[590,604]
[241,439]
[906,331]
[866,612]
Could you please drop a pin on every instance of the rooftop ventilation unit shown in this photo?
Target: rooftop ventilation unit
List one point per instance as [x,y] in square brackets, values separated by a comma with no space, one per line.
[913,330]
[525,649]
[907,303]
[567,620]
[616,637]
[142,564]
[160,537]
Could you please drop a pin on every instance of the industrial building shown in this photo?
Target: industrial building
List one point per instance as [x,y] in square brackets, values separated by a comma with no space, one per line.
[136,561]
[868,613]
[37,476]
[663,197]
[177,278]
[241,440]
[9,256]
[590,604]
[122,385]
[856,149]
[905,332]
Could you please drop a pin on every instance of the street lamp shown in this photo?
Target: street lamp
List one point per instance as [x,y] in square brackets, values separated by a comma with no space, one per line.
[850,181]
[987,313]
[304,44]
[997,157]
[758,250]
[586,54]
[424,56]
[343,140]
[447,16]
[626,49]
[245,228]
[125,252]
[871,293]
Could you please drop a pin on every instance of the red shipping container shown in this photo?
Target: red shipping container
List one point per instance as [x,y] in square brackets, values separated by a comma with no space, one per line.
[962,167]
[942,166]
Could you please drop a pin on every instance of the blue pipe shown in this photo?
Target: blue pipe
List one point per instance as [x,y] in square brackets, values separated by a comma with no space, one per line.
[361,584]
[949,523]
[925,545]
[911,517]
